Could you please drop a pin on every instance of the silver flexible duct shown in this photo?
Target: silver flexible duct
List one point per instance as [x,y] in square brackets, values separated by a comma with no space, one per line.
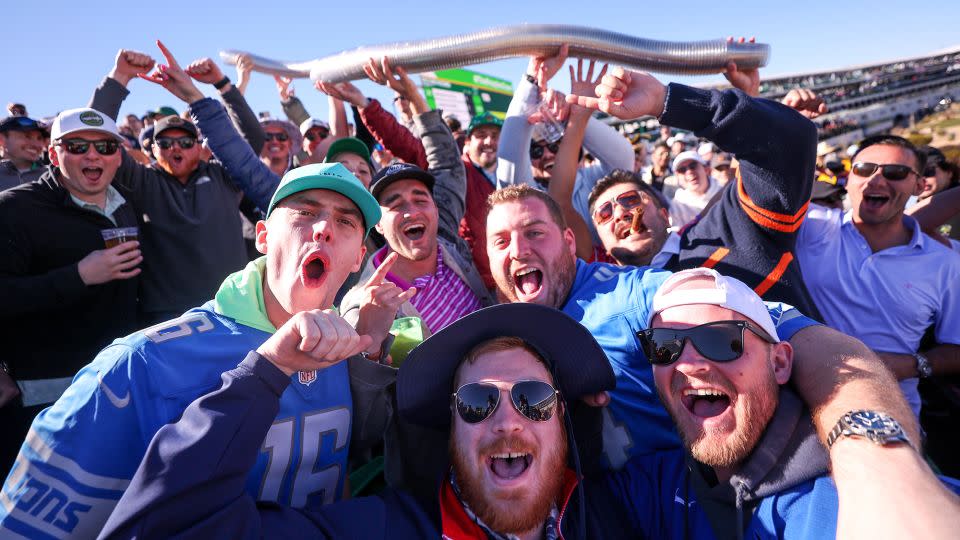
[688,58]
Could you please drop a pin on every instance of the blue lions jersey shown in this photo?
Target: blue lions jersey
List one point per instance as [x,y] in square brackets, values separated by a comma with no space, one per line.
[82,452]
[614,303]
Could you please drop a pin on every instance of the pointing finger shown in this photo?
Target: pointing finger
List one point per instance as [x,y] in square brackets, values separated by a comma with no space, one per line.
[171,61]
[381,272]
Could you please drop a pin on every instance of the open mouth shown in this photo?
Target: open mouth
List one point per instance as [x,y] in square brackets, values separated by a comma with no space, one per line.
[415,231]
[528,281]
[92,173]
[874,202]
[176,159]
[705,402]
[313,270]
[510,465]
[626,229]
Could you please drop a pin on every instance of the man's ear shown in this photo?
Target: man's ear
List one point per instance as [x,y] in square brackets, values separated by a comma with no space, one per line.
[360,254]
[571,241]
[781,361]
[260,236]
[378,228]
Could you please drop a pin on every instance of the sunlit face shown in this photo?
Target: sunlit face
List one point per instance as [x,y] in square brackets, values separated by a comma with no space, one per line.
[22,147]
[629,247]
[274,148]
[720,408]
[89,175]
[481,145]
[313,240]
[877,200]
[935,183]
[315,137]
[355,164]
[694,176]
[410,219]
[177,161]
[542,166]
[515,495]
[532,260]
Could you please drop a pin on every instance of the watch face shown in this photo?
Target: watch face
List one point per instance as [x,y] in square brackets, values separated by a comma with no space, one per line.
[870,421]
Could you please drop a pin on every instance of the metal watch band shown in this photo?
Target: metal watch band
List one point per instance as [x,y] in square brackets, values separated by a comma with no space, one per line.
[924,367]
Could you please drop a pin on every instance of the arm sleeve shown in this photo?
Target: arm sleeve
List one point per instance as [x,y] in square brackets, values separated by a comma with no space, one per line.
[246,170]
[775,145]
[393,135]
[295,110]
[81,452]
[244,118]
[947,327]
[513,150]
[361,129]
[788,320]
[443,158]
[612,150]
[108,97]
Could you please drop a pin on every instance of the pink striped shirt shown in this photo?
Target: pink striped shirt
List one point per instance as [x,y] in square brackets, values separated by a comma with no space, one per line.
[442,297]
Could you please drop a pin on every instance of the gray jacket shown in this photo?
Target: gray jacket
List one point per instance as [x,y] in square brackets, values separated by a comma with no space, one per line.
[449,194]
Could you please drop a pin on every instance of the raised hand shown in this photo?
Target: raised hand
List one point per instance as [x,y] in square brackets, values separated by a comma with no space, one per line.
[130,64]
[205,70]
[103,265]
[244,69]
[581,84]
[397,79]
[284,87]
[747,80]
[173,78]
[556,103]
[625,94]
[312,340]
[806,102]
[545,67]
[344,91]
[380,301]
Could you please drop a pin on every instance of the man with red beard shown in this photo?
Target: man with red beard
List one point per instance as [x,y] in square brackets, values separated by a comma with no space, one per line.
[502,384]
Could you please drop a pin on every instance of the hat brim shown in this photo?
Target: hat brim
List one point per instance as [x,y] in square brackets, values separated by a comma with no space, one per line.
[381,184]
[576,360]
[368,206]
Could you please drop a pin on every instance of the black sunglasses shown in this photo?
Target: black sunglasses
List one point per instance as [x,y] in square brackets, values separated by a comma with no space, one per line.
[82,146]
[684,168]
[536,152]
[313,135]
[282,137]
[720,341]
[166,143]
[890,171]
[628,200]
[535,400]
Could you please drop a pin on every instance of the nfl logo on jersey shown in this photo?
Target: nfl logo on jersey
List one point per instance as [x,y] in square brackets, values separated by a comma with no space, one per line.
[307,377]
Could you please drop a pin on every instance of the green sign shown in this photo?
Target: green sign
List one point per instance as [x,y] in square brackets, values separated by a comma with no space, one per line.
[464,93]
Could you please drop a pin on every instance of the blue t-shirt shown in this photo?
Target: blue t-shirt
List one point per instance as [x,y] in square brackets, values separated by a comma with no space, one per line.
[82,452]
[614,303]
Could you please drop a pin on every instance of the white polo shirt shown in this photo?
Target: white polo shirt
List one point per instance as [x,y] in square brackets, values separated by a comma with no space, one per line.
[886,299]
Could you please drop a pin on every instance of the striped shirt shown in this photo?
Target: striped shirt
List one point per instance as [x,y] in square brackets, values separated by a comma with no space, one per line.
[442,297]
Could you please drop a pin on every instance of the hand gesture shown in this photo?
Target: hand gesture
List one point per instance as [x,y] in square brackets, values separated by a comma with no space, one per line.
[806,102]
[244,69]
[284,87]
[103,265]
[311,340]
[397,79]
[545,67]
[205,70]
[583,85]
[555,103]
[344,91]
[173,78]
[130,64]
[747,80]
[625,94]
[380,301]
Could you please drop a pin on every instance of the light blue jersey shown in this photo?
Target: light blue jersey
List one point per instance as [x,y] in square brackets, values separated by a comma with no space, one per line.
[614,303]
[82,452]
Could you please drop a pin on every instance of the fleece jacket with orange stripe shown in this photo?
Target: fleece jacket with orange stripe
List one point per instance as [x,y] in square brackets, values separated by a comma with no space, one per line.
[751,232]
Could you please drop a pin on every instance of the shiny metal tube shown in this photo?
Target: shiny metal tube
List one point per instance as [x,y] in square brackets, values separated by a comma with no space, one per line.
[687,58]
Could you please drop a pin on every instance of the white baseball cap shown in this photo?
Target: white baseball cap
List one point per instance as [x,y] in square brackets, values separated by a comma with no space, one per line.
[689,155]
[83,119]
[312,122]
[727,292]
[706,148]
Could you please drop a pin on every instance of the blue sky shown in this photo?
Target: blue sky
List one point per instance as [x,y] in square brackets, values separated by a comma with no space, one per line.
[59,51]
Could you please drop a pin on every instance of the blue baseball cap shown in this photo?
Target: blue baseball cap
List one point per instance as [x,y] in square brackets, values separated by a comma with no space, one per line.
[332,176]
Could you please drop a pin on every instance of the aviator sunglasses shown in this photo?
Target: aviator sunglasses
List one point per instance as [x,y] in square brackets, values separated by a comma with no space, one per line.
[81,146]
[890,171]
[719,341]
[628,200]
[536,152]
[535,400]
[166,143]
[313,135]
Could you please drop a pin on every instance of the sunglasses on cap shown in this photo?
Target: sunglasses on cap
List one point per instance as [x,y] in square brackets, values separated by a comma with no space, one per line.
[628,200]
[282,137]
[82,146]
[535,400]
[166,143]
[536,152]
[719,341]
[890,171]
[684,168]
[311,135]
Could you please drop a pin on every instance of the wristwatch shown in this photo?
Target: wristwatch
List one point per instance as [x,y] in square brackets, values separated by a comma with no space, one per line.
[878,427]
[924,367]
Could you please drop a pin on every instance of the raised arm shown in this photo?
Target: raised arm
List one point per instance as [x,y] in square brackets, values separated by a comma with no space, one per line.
[292,106]
[207,71]
[935,211]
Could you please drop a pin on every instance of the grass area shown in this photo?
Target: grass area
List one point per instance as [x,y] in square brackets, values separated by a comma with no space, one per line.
[952,122]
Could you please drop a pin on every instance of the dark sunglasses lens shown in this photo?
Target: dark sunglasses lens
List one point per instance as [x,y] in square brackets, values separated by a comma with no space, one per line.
[186,143]
[630,199]
[534,399]
[864,169]
[164,144]
[276,136]
[930,171]
[476,401]
[554,147]
[895,172]
[106,148]
[718,342]
[603,213]
[76,147]
[536,152]
[661,345]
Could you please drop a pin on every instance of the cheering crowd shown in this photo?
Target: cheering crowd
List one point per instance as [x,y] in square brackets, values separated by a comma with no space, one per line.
[224,326]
